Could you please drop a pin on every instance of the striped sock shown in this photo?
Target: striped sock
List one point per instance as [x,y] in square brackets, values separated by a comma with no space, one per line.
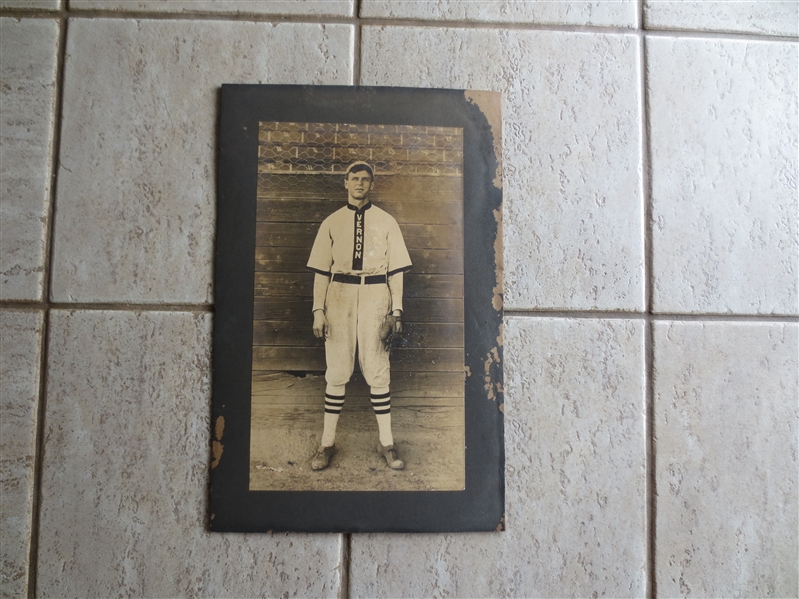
[333,405]
[381,402]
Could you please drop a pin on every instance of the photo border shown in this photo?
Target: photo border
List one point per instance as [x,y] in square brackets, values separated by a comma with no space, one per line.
[480,507]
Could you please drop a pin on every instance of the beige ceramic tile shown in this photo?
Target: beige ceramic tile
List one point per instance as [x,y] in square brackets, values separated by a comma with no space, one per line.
[726,422]
[343,8]
[124,485]
[774,17]
[620,13]
[573,219]
[20,346]
[574,443]
[31,4]
[724,175]
[27,68]
[136,190]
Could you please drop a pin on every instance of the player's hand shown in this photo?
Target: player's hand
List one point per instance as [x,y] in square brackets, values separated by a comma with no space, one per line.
[397,327]
[387,331]
[320,324]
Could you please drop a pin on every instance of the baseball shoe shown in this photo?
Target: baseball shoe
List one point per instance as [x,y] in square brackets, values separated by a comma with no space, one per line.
[392,456]
[321,458]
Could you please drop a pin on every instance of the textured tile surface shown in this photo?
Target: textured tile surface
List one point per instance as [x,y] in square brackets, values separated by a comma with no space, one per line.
[724,175]
[124,487]
[726,420]
[342,8]
[775,17]
[27,68]
[20,343]
[573,218]
[574,438]
[136,193]
[620,13]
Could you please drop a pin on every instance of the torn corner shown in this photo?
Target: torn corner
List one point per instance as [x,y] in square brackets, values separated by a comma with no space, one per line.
[502,408]
[501,525]
[490,104]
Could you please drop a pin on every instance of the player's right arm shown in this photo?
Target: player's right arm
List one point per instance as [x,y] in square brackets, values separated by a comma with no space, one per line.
[320,262]
[320,283]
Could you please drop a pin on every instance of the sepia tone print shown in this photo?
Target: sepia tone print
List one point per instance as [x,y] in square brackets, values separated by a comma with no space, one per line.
[413,178]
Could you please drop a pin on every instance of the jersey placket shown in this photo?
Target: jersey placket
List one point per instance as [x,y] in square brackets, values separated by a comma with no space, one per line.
[358,241]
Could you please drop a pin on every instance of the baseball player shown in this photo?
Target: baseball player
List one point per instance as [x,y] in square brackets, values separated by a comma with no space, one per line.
[358,258]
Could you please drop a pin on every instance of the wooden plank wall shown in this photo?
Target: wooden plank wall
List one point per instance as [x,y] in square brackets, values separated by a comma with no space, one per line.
[418,180]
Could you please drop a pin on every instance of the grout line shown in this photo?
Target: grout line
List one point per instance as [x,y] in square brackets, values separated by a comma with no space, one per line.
[27,13]
[639,16]
[38,459]
[356,46]
[131,307]
[723,35]
[176,16]
[22,305]
[356,56]
[387,22]
[555,313]
[650,491]
[512,313]
[784,319]
[647,316]
[646,180]
[117,307]
[310,19]
[55,156]
[435,24]
[651,462]
[344,586]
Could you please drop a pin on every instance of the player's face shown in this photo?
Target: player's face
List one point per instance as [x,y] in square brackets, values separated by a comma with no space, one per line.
[358,184]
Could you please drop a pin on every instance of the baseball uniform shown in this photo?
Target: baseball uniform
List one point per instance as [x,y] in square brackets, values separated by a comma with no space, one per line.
[366,244]
[359,250]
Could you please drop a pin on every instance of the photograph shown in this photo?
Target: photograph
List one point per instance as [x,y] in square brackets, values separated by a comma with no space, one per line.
[358,376]
[358,291]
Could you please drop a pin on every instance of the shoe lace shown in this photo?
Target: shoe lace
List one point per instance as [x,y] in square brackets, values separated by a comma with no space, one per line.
[394,455]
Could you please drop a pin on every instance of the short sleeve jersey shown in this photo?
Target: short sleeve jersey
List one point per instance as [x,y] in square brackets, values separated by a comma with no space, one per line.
[365,241]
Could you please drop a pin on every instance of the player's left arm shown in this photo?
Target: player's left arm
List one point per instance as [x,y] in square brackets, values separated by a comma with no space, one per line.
[399,261]
[395,287]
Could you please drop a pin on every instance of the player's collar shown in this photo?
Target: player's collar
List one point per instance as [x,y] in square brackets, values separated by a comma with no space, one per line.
[364,208]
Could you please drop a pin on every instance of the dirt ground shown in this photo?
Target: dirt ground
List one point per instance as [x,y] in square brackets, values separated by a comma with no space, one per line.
[430,440]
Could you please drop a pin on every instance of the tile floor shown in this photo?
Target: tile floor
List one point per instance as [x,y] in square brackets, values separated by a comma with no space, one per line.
[652,329]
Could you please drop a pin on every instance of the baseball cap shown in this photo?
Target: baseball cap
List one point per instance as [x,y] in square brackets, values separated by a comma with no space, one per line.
[361,163]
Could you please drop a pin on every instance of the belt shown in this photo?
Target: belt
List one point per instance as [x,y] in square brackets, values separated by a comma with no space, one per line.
[359,279]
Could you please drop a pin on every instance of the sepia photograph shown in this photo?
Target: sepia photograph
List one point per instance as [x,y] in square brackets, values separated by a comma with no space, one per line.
[358,370]
[358,291]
